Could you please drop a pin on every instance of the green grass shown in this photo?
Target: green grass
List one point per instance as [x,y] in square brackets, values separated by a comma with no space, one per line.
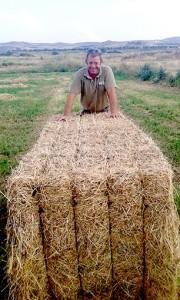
[119,75]
[19,118]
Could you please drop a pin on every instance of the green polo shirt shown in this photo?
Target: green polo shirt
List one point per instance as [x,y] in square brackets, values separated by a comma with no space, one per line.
[93,92]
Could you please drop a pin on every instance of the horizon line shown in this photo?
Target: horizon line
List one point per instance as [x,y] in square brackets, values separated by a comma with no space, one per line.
[77,42]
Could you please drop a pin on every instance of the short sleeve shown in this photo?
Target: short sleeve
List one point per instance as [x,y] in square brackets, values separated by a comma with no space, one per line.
[75,86]
[109,78]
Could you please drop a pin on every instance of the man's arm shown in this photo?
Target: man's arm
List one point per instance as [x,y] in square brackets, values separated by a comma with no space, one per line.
[113,101]
[69,103]
[74,90]
[68,106]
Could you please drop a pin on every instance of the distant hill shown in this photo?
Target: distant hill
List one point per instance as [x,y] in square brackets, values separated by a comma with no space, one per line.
[172,40]
[23,46]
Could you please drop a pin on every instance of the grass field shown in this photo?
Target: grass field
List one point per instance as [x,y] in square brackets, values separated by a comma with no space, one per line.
[28,99]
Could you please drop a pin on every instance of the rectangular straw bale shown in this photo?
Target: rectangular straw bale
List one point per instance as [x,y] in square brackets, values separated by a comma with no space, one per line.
[161,251]
[125,199]
[35,160]
[129,148]
[59,239]
[161,235]
[126,235]
[57,215]
[91,211]
[96,194]
[26,266]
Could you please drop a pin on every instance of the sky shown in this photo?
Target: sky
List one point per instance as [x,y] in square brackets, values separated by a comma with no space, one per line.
[94,20]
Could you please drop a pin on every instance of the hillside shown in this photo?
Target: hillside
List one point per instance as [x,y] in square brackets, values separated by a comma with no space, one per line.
[172,40]
[15,46]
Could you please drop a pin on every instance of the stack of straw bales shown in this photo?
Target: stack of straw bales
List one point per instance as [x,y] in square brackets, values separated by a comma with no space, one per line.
[91,215]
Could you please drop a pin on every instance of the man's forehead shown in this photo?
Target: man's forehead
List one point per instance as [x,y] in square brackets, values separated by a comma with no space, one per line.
[94,58]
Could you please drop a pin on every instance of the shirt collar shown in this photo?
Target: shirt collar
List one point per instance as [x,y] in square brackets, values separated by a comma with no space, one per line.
[86,73]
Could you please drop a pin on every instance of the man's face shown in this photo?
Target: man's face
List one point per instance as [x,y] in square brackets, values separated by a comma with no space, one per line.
[93,64]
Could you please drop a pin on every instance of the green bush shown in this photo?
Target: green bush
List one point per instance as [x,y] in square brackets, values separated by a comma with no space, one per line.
[9,53]
[171,80]
[146,73]
[161,74]
[26,54]
[177,79]
[54,52]
[6,64]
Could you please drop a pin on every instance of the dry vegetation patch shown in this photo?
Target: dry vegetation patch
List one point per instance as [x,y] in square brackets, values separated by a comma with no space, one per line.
[13,80]
[7,96]
[13,85]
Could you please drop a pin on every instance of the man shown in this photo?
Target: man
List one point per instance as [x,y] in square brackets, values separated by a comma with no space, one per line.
[97,87]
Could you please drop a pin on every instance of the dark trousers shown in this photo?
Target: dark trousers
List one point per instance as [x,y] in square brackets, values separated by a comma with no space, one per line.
[87,111]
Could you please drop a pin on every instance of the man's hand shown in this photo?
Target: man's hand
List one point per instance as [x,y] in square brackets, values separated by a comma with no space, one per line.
[113,103]
[67,108]
[61,118]
[113,115]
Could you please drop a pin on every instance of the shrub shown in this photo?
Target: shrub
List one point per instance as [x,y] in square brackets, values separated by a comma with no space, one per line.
[25,54]
[63,69]
[146,73]
[54,52]
[9,53]
[161,74]
[171,80]
[6,64]
[177,79]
